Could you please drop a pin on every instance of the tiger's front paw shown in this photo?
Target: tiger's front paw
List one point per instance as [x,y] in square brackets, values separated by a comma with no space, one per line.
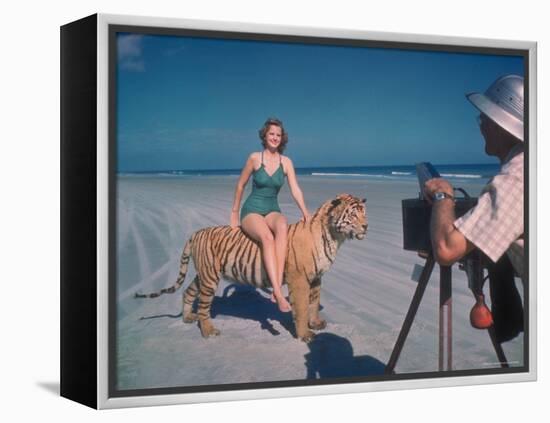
[190,318]
[318,324]
[208,330]
[307,337]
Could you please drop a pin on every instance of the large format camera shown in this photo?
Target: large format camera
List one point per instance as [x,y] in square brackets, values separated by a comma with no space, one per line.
[417,212]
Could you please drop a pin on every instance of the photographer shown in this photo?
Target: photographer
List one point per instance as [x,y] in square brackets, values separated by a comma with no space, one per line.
[495,224]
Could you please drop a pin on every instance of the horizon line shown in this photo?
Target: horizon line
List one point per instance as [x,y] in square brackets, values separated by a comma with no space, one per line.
[303,167]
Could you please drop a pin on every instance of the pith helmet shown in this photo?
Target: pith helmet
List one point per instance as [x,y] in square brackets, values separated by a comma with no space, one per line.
[503,103]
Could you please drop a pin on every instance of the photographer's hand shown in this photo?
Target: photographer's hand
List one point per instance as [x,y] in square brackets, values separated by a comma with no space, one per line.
[437,185]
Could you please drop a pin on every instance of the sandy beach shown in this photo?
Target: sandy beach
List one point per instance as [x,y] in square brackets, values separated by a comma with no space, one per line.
[364,296]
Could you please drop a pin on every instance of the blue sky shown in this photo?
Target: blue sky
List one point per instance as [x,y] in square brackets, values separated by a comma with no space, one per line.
[197,103]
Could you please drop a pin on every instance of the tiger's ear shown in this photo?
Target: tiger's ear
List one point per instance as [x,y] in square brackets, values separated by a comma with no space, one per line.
[336,202]
[364,200]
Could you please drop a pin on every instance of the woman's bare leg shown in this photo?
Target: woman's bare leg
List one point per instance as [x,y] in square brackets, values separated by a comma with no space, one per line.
[255,226]
[278,224]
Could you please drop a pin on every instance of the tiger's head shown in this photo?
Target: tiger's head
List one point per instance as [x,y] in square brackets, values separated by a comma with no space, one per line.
[347,216]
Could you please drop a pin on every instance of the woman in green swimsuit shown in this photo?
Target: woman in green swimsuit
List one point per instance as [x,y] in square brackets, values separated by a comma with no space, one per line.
[261,216]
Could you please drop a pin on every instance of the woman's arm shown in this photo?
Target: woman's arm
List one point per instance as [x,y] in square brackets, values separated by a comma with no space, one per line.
[241,184]
[295,188]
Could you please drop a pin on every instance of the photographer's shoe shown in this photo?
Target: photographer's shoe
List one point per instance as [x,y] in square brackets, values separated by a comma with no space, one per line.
[480,315]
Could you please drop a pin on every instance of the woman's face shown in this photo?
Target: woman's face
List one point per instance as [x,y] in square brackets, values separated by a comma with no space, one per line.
[273,137]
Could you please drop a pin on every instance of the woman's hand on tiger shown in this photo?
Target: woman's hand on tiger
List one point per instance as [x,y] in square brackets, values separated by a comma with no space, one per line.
[234,221]
[306,217]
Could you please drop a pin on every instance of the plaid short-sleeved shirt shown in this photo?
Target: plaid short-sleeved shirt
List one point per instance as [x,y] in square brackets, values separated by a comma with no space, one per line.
[495,224]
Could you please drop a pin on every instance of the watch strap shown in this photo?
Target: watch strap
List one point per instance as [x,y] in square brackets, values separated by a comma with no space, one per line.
[438,196]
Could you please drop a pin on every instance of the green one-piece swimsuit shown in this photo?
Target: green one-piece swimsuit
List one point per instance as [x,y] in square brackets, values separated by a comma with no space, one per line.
[265,188]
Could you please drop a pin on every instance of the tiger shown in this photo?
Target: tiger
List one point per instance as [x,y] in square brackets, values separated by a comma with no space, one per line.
[224,251]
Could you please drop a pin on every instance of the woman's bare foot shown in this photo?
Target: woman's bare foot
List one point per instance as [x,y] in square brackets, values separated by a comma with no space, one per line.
[282,303]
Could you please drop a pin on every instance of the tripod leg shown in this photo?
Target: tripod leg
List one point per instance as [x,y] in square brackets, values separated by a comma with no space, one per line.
[476,285]
[409,318]
[498,348]
[445,313]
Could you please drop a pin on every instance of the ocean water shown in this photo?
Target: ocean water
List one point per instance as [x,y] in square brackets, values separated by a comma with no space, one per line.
[467,172]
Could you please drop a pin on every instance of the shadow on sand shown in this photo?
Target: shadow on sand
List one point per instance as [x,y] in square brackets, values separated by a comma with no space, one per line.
[332,356]
[244,302]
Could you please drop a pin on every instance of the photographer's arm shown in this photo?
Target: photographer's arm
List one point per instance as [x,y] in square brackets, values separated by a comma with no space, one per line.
[448,243]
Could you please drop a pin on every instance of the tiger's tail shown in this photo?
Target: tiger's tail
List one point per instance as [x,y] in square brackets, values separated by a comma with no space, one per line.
[184,263]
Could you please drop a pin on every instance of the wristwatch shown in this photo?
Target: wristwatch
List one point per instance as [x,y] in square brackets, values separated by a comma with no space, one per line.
[438,196]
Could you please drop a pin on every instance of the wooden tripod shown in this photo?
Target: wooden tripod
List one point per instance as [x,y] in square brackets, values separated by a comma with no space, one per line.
[445,319]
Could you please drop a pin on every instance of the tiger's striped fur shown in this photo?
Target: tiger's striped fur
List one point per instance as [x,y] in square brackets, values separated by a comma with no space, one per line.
[223,251]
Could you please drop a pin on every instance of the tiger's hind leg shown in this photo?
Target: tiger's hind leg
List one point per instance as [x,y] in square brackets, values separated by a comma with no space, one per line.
[188,299]
[207,290]
[315,322]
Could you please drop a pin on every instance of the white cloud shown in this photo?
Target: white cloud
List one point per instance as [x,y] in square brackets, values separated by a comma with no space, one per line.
[130,52]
